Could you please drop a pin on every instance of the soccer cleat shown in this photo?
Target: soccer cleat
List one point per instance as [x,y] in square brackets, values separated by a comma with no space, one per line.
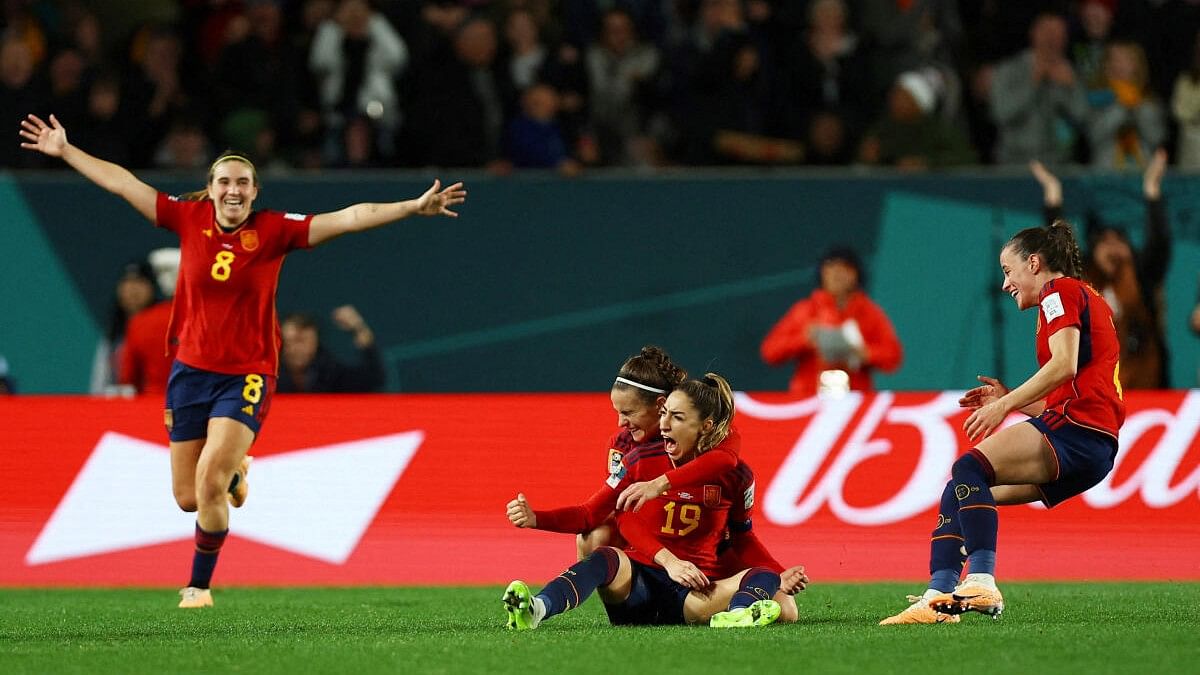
[239,487]
[192,597]
[759,613]
[518,604]
[919,612]
[970,596]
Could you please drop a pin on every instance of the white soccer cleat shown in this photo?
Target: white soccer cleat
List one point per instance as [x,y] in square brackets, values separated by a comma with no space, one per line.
[192,597]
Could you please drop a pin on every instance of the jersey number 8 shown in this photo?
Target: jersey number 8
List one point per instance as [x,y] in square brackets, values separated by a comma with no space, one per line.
[223,266]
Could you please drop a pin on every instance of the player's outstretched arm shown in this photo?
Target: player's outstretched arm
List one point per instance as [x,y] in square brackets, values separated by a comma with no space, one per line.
[436,201]
[51,139]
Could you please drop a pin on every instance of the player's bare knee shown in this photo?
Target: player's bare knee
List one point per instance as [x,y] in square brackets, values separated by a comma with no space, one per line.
[186,501]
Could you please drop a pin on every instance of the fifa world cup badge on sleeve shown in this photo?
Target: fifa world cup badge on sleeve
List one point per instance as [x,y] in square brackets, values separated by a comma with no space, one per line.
[1052,307]
[616,468]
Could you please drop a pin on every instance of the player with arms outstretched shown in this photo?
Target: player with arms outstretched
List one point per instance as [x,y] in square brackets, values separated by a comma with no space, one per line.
[224,317]
[1075,404]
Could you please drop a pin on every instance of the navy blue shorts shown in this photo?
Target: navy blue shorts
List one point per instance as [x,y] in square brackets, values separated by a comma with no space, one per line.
[654,600]
[1084,456]
[194,395]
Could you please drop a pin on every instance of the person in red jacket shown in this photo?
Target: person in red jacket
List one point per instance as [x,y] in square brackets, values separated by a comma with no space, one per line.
[836,336]
[148,355]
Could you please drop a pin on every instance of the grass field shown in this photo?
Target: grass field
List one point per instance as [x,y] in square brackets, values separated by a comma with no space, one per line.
[1064,628]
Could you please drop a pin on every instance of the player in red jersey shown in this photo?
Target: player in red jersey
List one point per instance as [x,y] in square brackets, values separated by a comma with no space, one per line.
[1069,444]
[223,318]
[669,590]
[638,394]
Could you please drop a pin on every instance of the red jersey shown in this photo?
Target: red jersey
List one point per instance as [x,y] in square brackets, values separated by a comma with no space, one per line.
[147,355]
[1093,397]
[224,316]
[690,520]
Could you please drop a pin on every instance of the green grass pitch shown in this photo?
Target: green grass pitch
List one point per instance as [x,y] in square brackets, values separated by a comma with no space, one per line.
[1060,628]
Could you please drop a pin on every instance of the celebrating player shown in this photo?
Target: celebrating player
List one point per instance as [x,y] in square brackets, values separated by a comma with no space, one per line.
[656,581]
[1069,444]
[224,317]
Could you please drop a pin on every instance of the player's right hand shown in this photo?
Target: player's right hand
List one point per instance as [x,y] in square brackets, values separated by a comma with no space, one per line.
[49,139]
[520,514]
[686,574]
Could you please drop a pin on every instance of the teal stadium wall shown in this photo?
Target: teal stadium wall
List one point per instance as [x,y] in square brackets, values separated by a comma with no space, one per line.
[546,284]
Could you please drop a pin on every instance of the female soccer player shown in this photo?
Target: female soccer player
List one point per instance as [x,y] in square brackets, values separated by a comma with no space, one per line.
[1076,409]
[224,317]
[656,582]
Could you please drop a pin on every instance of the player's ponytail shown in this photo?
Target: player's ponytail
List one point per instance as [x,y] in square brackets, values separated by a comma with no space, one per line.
[1055,244]
[650,373]
[713,398]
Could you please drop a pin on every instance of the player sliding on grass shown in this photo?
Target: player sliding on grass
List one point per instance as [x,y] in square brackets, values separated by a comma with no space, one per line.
[224,317]
[663,578]
[1074,400]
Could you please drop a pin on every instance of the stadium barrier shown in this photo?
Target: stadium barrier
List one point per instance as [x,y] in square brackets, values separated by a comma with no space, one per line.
[410,489]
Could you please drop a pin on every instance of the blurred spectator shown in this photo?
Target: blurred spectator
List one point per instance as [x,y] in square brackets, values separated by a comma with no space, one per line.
[86,36]
[526,51]
[266,94]
[135,291]
[20,93]
[836,336]
[1126,123]
[68,86]
[1037,101]
[1185,107]
[534,139]
[356,57]
[826,98]
[7,384]
[907,35]
[468,93]
[185,147]
[105,129]
[911,135]
[619,67]
[145,362]
[154,91]
[307,367]
[1131,281]
[1087,52]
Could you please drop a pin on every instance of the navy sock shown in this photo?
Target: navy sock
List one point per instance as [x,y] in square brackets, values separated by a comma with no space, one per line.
[569,589]
[973,477]
[208,547]
[758,583]
[982,561]
[946,554]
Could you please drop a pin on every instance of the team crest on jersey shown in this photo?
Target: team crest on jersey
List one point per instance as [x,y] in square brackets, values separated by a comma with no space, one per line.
[249,239]
[616,468]
[712,495]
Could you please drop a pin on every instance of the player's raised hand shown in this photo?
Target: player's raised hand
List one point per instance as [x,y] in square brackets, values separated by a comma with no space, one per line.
[520,514]
[49,139]
[793,580]
[989,391]
[437,201]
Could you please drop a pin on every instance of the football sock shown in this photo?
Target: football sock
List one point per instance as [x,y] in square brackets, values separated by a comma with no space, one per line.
[569,589]
[208,547]
[973,476]
[946,546]
[758,583]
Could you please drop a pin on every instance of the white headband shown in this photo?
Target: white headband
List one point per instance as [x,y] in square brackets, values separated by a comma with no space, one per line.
[639,385]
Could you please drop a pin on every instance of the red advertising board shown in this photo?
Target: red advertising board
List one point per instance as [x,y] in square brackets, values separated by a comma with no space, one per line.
[410,489]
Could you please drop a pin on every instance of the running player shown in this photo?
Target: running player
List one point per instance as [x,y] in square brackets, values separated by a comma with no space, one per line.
[224,317]
[1069,444]
[649,583]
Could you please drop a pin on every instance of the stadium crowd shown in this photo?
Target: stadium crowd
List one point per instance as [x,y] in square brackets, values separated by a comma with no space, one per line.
[570,84]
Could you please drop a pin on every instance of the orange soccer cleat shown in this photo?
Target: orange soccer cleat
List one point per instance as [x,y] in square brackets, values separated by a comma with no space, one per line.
[918,612]
[970,596]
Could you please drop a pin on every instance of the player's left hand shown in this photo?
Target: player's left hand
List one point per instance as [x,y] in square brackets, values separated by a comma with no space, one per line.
[437,201]
[984,420]
[520,514]
[636,495]
[686,574]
